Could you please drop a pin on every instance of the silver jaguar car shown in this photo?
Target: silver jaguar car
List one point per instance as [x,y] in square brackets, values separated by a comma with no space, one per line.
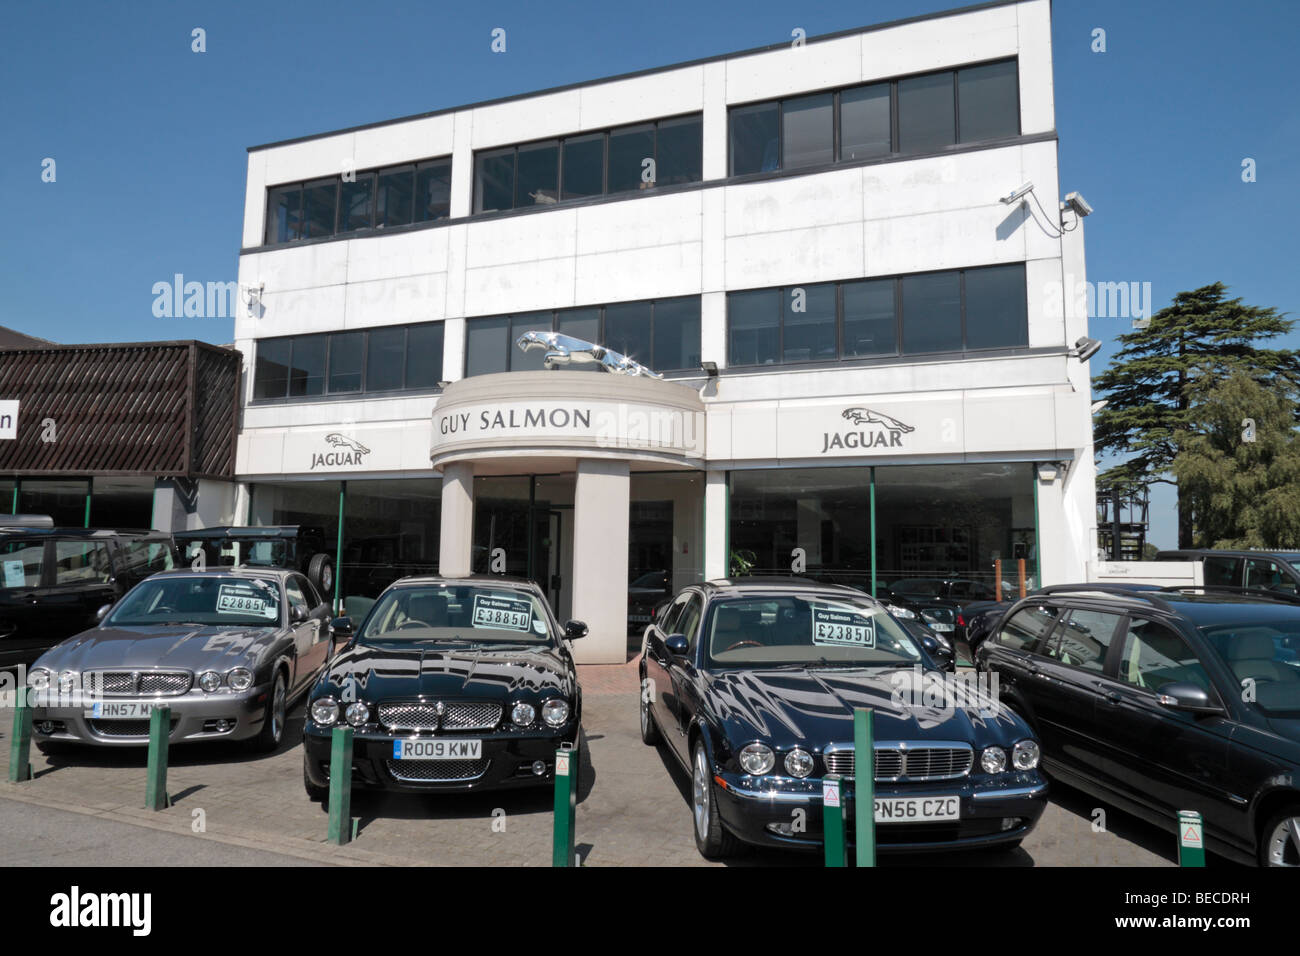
[226,650]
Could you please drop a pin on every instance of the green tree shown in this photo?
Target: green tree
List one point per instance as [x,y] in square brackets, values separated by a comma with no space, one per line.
[1202,333]
[1239,464]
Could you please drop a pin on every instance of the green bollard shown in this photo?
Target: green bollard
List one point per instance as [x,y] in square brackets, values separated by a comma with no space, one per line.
[20,753]
[341,830]
[566,806]
[1191,839]
[833,820]
[864,786]
[160,726]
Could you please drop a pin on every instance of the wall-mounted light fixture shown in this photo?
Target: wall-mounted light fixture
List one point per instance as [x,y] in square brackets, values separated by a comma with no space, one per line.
[710,369]
[1049,471]
[1085,348]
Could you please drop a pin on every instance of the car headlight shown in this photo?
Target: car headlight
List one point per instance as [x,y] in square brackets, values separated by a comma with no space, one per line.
[241,678]
[38,678]
[357,714]
[523,714]
[67,682]
[1024,756]
[210,681]
[993,760]
[555,712]
[757,759]
[902,612]
[325,711]
[798,763]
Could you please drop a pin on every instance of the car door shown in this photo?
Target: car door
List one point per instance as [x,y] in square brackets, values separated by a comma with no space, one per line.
[680,699]
[320,613]
[78,582]
[24,633]
[659,683]
[306,633]
[1162,759]
[1011,655]
[1066,681]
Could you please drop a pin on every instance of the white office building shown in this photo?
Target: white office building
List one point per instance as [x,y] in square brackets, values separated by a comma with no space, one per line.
[867,340]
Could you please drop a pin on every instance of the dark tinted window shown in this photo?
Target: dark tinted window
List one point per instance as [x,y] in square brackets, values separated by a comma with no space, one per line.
[357,203]
[81,562]
[996,307]
[307,368]
[284,214]
[808,131]
[679,150]
[487,346]
[538,172]
[809,324]
[580,323]
[865,122]
[319,199]
[932,312]
[533,359]
[870,319]
[494,180]
[754,143]
[676,335]
[926,117]
[584,166]
[396,194]
[346,350]
[424,355]
[432,191]
[1153,655]
[1027,627]
[629,148]
[23,563]
[1220,570]
[1265,573]
[988,99]
[384,354]
[271,379]
[627,330]
[754,327]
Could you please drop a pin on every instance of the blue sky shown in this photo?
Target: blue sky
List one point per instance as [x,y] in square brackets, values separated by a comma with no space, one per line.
[149,138]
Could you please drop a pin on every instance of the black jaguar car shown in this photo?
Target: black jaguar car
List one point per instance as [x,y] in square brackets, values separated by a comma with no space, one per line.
[450,684]
[753,685]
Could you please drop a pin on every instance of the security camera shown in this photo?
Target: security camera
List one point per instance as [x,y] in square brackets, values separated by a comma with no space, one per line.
[1020,193]
[1078,204]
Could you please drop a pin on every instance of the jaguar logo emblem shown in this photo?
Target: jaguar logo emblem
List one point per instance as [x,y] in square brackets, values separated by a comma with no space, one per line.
[351,453]
[566,350]
[888,433]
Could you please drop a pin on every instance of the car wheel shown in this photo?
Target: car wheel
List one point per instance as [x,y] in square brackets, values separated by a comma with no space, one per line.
[320,571]
[649,729]
[711,837]
[277,709]
[1281,843]
[315,792]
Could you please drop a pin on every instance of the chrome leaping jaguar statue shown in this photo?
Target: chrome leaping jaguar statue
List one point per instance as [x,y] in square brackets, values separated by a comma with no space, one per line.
[566,350]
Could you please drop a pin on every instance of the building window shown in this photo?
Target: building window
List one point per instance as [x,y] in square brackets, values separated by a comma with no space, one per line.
[622,159]
[385,359]
[663,335]
[915,114]
[337,205]
[955,311]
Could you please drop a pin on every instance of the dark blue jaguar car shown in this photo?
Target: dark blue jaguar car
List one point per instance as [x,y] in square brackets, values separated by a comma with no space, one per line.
[752,684]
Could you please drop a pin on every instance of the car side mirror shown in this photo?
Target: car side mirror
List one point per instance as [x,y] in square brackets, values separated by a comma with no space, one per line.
[297,614]
[341,627]
[938,653]
[574,630]
[677,645]
[1183,695]
[102,613]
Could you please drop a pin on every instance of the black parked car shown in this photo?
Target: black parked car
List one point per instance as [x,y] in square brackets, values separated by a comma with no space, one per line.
[451,684]
[753,683]
[1267,570]
[1160,700]
[53,581]
[293,547]
[226,649]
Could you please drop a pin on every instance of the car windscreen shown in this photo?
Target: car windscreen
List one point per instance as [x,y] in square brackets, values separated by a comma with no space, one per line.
[210,600]
[919,587]
[789,629]
[1264,657]
[473,614]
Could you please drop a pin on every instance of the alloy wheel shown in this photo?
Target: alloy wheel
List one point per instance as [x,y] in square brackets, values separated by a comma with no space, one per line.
[279,705]
[1284,843]
[700,794]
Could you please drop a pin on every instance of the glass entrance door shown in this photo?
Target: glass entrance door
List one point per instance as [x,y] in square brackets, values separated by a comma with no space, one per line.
[523,527]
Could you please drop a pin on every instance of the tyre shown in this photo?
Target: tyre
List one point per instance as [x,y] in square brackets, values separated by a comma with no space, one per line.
[1280,840]
[711,837]
[649,729]
[320,572]
[277,708]
[315,792]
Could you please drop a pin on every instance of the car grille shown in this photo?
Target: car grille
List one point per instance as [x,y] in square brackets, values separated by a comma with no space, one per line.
[456,715]
[913,762]
[435,771]
[123,728]
[139,683]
